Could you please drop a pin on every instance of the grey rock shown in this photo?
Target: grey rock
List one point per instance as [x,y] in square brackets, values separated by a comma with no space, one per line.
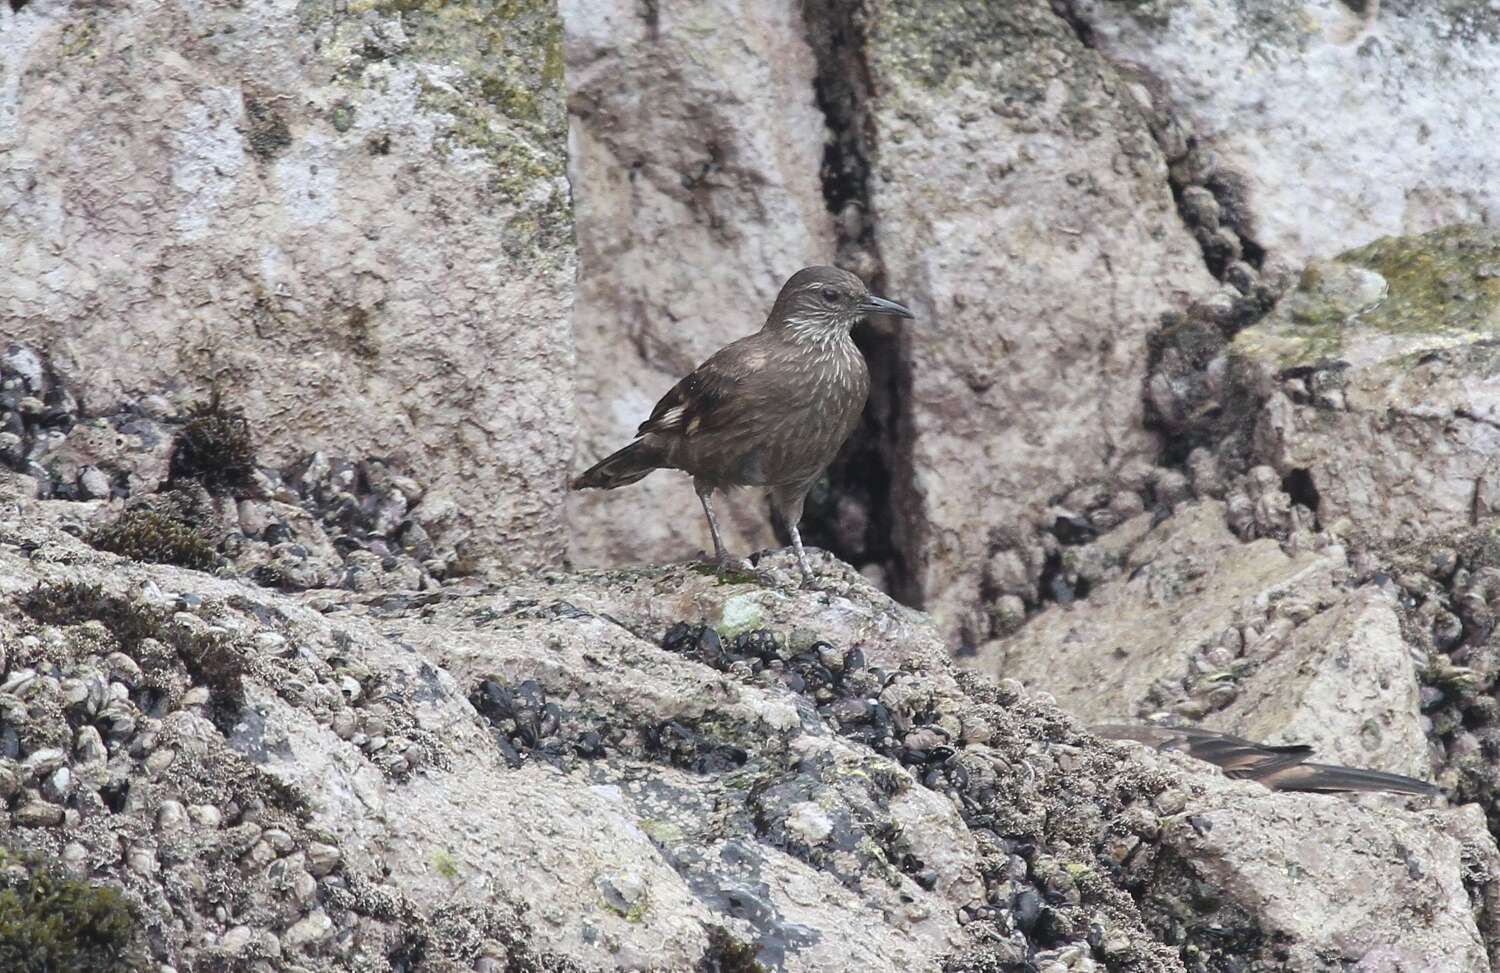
[1413,357]
[94,482]
[308,933]
[1141,644]
[205,815]
[968,178]
[42,763]
[236,940]
[59,785]
[791,822]
[28,365]
[322,858]
[1291,154]
[171,816]
[122,668]
[38,814]
[258,180]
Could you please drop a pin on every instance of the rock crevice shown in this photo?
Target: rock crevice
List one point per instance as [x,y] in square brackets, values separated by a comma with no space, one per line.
[855,516]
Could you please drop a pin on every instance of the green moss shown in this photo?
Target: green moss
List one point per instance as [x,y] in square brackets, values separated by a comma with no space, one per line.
[361,336]
[661,832]
[509,104]
[216,448]
[148,535]
[342,117]
[445,865]
[73,603]
[740,613]
[931,42]
[730,577]
[1446,280]
[50,923]
[79,37]
[1443,290]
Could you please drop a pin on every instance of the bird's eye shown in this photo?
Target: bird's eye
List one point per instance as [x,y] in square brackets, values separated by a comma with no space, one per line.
[830,295]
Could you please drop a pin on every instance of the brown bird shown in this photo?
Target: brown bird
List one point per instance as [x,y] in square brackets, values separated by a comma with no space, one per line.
[768,410]
[1279,768]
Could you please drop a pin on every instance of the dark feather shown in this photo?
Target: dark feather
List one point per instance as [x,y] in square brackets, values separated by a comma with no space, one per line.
[703,402]
[622,466]
[1281,768]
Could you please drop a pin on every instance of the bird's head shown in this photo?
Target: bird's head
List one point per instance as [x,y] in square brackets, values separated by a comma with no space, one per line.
[821,303]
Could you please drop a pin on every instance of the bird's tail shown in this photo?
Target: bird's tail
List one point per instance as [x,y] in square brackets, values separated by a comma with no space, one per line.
[620,467]
[1326,778]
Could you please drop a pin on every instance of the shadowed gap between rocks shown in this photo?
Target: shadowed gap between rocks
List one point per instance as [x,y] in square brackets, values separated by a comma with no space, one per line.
[1211,202]
[852,511]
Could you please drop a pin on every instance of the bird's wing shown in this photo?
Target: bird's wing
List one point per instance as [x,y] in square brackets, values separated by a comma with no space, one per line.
[1279,768]
[705,400]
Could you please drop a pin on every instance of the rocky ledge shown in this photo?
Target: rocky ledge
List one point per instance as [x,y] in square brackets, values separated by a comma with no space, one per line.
[653,769]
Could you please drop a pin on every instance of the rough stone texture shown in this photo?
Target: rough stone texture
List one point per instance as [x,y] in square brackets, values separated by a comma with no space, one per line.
[275,776]
[1376,382]
[356,221]
[1244,638]
[1324,124]
[695,150]
[1022,210]
[1273,862]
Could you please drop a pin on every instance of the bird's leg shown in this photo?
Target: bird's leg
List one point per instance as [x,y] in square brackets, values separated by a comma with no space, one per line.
[788,506]
[807,575]
[705,496]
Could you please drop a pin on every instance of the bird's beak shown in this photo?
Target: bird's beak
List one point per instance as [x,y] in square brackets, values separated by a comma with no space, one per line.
[879,305]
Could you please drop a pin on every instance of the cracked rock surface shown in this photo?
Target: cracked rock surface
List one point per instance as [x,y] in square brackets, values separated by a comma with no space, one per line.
[645,769]
[1023,205]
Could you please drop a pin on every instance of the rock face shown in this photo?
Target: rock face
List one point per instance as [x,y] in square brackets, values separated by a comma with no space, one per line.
[1297,111]
[1376,377]
[1023,207]
[1348,437]
[1245,638]
[1320,841]
[696,145]
[667,771]
[356,222]
[1051,204]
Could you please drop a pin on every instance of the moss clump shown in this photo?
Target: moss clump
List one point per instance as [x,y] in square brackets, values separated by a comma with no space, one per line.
[213,659]
[726,954]
[149,535]
[1442,290]
[444,864]
[268,133]
[49,923]
[1448,279]
[215,447]
[71,603]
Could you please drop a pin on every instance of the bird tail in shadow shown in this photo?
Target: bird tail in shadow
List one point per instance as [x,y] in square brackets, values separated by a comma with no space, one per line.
[620,467]
[1325,778]
[1281,768]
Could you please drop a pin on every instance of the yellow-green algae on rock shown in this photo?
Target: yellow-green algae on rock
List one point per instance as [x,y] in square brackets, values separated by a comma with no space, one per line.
[1395,297]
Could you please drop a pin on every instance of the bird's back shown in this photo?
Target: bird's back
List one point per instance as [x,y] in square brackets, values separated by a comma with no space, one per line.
[762,411]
